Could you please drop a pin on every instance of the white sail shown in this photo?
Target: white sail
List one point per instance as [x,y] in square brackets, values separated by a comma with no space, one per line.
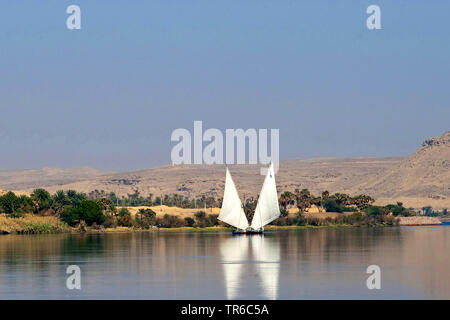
[232,211]
[267,208]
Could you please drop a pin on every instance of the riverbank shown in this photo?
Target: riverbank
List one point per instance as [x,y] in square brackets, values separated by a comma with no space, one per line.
[30,224]
[223,229]
[418,221]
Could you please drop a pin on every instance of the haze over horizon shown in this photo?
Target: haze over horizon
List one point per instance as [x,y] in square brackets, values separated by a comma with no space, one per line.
[108,96]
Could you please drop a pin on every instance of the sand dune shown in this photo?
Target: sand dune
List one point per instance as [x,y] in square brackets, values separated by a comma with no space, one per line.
[182,213]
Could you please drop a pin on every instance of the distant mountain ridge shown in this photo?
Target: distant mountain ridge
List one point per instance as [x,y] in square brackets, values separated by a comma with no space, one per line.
[46,177]
[193,180]
[424,174]
[420,179]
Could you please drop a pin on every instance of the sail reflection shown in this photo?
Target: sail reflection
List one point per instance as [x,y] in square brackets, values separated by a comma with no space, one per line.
[243,256]
[266,253]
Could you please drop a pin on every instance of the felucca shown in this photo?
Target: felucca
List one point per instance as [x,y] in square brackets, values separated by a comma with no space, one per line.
[267,209]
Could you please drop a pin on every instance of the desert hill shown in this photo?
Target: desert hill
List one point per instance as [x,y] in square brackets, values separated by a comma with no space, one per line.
[45,177]
[420,179]
[318,174]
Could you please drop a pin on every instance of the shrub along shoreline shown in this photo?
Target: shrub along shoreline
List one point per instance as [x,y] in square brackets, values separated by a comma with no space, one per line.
[30,224]
[49,225]
[35,226]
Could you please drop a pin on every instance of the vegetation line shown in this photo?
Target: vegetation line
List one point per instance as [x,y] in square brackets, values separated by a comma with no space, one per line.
[68,211]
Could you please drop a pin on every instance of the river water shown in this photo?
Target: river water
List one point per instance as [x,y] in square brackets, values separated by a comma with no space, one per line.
[295,264]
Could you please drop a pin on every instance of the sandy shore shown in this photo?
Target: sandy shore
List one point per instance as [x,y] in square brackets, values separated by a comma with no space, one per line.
[418,221]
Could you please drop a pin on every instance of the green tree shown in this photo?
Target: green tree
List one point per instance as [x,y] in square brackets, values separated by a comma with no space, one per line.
[91,212]
[107,206]
[200,218]
[303,198]
[170,221]
[124,212]
[125,219]
[286,198]
[212,220]
[60,200]
[427,210]
[75,198]
[145,218]
[42,198]
[87,210]
[70,215]
[341,198]
[9,202]
[376,210]
[325,195]
[189,221]
[362,201]
[399,210]
[331,205]
[26,204]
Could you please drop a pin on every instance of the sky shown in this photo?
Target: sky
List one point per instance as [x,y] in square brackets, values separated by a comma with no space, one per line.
[109,95]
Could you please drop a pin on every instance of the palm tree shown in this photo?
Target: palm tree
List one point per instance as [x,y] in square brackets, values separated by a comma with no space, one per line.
[304,199]
[150,198]
[362,200]
[59,201]
[42,198]
[341,198]
[285,199]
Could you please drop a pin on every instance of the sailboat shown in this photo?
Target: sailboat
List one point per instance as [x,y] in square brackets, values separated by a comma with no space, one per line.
[267,209]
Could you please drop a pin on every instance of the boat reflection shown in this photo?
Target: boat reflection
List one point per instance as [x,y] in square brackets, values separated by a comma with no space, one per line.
[249,262]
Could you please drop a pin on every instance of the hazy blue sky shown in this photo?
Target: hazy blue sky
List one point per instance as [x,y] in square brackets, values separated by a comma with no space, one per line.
[110,94]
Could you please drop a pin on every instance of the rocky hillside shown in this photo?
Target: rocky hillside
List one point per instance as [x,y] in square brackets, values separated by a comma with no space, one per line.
[423,176]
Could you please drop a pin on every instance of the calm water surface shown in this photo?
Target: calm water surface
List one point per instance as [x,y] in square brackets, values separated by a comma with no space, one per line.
[297,264]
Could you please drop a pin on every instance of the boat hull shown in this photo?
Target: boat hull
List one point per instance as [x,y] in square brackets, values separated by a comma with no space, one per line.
[247,232]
